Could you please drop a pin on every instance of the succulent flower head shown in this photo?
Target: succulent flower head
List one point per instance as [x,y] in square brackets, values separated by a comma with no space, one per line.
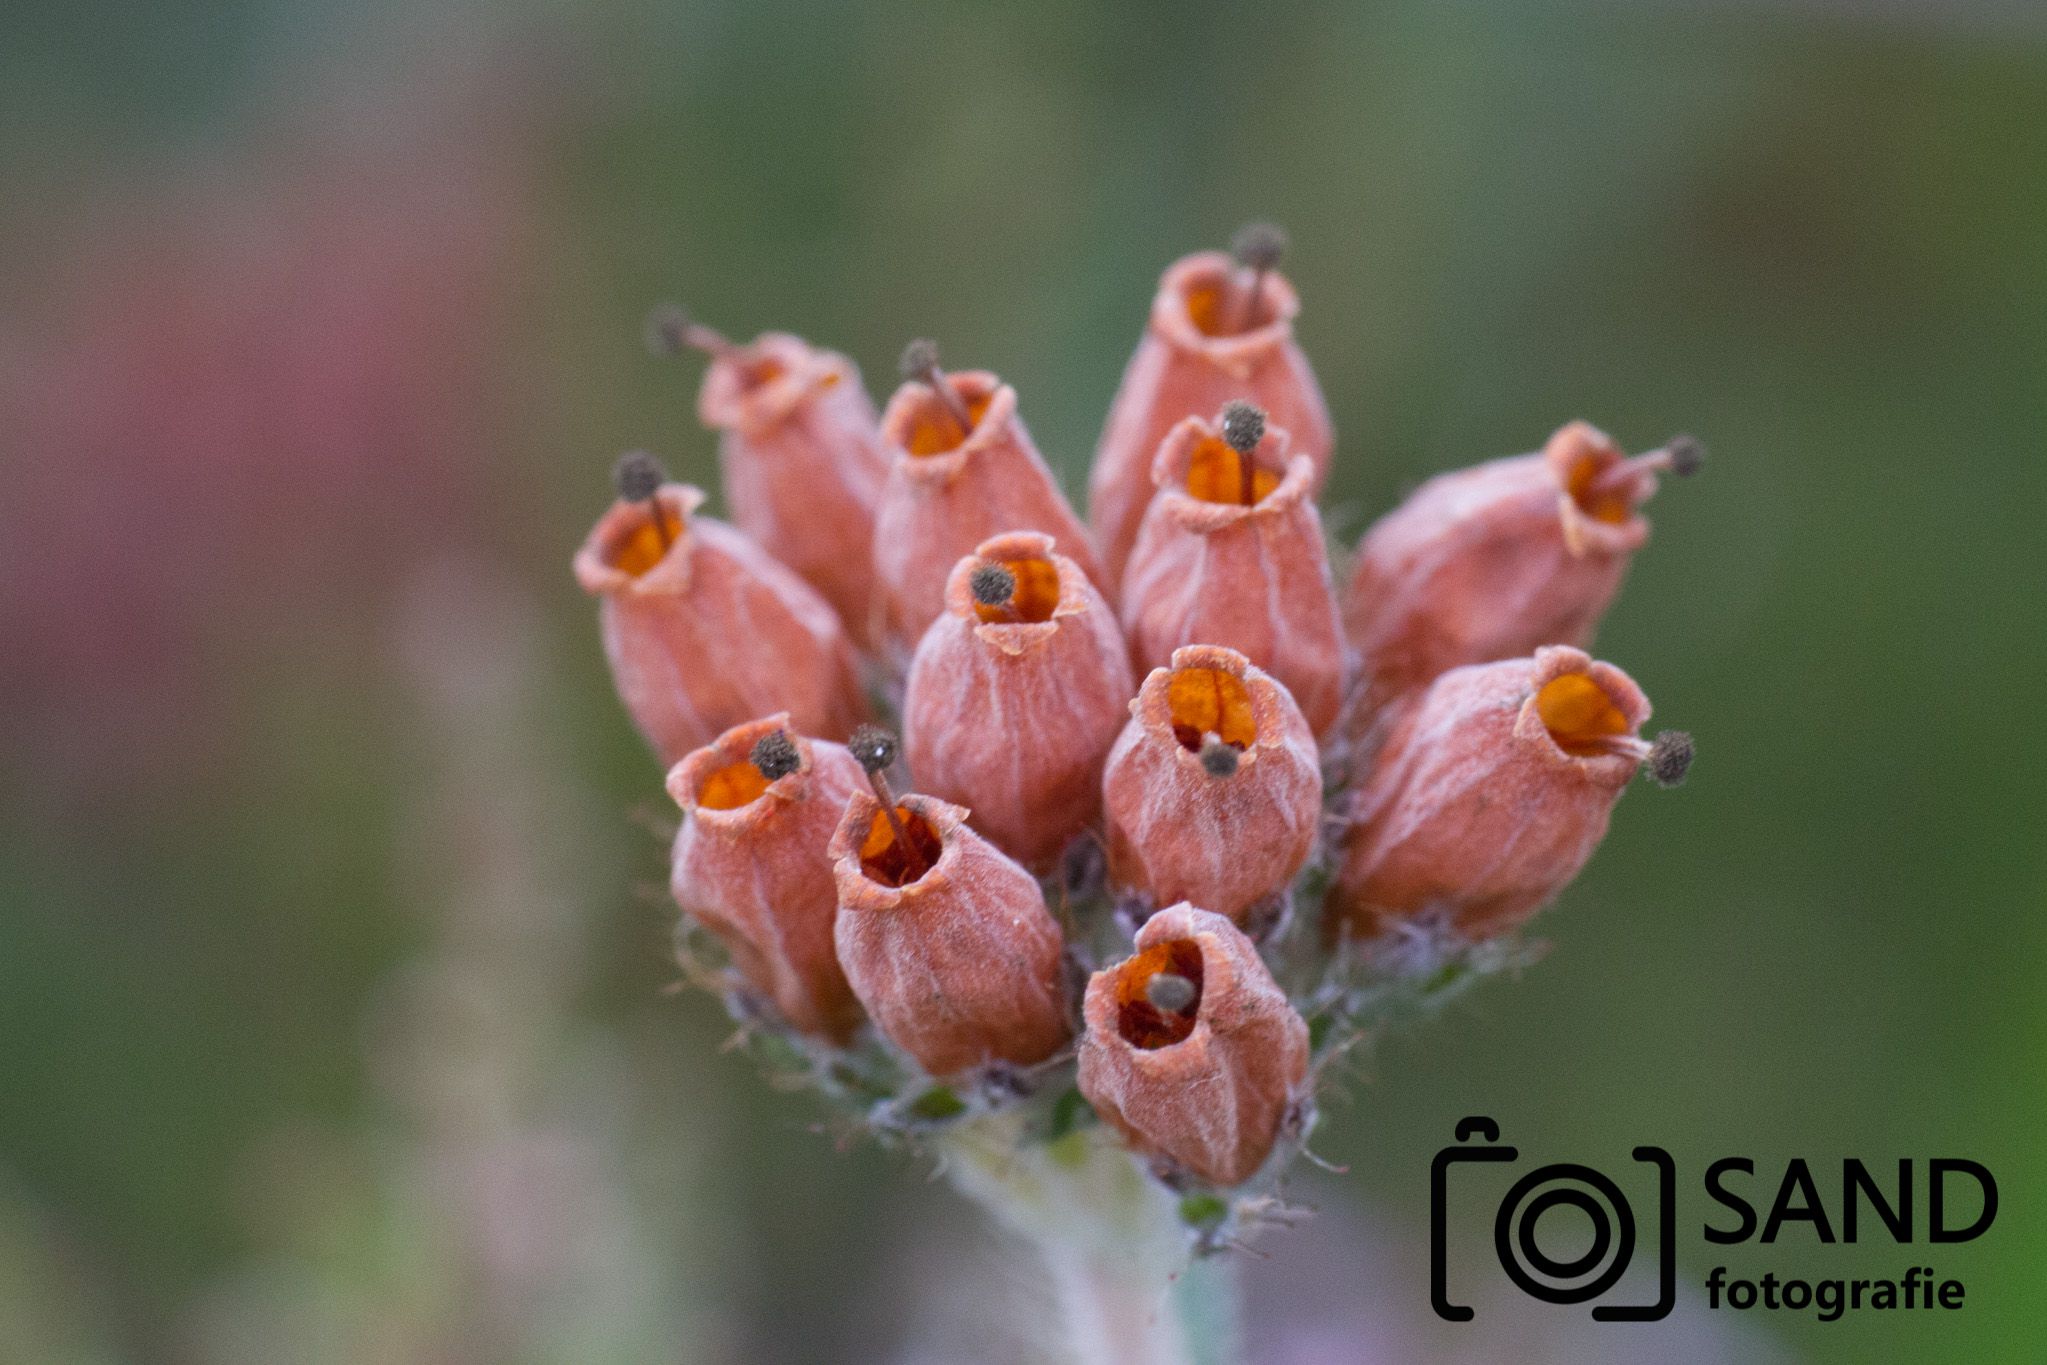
[1220,329]
[751,863]
[1191,1048]
[960,965]
[1012,704]
[1232,553]
[675,589]
[1494,561]
[1213,791]
[1490,793]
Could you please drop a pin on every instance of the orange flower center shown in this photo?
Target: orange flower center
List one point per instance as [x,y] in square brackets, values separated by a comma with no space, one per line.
[1215,473]
[732,786]
[1035,598]
[1216,308]
[1611,503]
[760,373]
[1205,701]
[886,861]
[933,430]
[1579,714]
[1141,1022]
[639,547]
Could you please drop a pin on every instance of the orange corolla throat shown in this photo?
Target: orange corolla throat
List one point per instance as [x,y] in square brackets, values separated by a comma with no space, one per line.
[732,786]
[1580,716]
[1216,308]
[1603,490]
[1148,1014]
[758,374]
[934,430]
[643,545]
[1208,701]
[884,859]
[1033,600]
[1215,473]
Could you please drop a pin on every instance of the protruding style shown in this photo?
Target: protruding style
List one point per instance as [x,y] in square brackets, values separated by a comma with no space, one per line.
[1221,328]
[1015,695]
[1191,1049]
[1493,561]
[959,964]
[1213,791]
[964,469]
[752,863]
[704,630]
[1490,793]
[1232,553]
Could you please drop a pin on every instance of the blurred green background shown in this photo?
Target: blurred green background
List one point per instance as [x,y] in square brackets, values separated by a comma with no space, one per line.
[332,951]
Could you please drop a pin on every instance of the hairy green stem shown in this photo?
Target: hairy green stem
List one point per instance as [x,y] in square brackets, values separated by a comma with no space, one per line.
[1119,1257]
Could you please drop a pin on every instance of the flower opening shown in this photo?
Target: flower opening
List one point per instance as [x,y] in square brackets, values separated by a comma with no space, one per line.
[933,430]
[638,545]
[1215,473]
[1146,1016]
[884,859]
[1032,600]
[1208,701]
[1581,716]
[732,786]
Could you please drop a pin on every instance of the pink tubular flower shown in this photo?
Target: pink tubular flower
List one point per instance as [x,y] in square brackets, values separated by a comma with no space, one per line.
[1016,694]
[1491,791]
[1207,342]
[947,941]
[802,462]
[752,863]
[1491,562]
[1219,562]
[1214,789]
[704,630]
[1191,1048]
[948,491]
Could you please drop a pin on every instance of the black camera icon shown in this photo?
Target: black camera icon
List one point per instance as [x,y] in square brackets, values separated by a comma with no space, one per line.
[1564,1184]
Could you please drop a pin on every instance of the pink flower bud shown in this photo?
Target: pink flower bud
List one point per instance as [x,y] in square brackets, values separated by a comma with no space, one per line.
[705,631]
[947,942]
[1191,1048]
[1015,695]
[802,462]
[1214,788]
[1493,561]
[752,863]
[1204,346]
[1492,789]
[945,495]
[1211,569]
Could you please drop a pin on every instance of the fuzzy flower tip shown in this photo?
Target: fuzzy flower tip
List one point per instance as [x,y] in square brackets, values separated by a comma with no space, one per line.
[704,630]
[1015,695]
[1232,553]
[962,471]
[1493,789]
[1221,329]
[801,456]
[1213,791]
[1490,562]
[945,940]
[752,863]
[1191,1049]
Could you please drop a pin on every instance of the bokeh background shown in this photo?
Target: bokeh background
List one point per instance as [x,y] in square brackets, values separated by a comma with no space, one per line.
[334,1008]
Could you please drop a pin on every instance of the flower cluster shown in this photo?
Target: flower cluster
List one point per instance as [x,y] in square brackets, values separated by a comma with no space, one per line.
[1170,813]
